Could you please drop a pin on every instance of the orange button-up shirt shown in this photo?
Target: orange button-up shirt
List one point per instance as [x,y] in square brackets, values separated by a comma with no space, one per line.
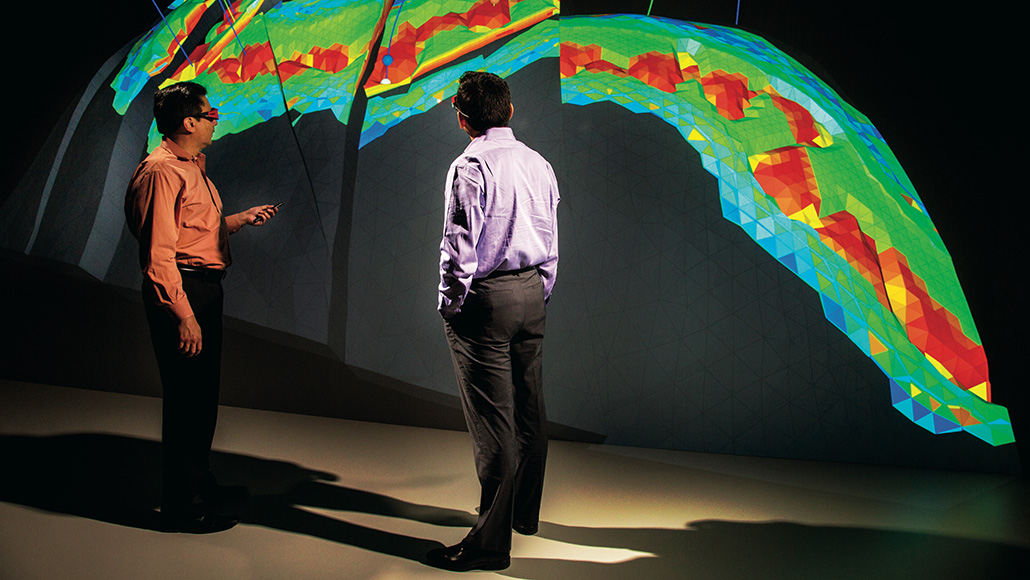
[175,212]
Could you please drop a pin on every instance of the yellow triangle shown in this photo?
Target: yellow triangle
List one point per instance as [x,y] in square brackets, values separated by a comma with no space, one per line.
[980,390]
[940,368]
[757,159]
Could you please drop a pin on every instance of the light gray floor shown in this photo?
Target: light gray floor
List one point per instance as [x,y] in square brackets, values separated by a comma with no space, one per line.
[342,499]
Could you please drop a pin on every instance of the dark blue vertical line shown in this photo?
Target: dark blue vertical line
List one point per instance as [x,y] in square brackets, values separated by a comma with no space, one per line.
[232,25]
[736,21]
[387,59]
[173,33]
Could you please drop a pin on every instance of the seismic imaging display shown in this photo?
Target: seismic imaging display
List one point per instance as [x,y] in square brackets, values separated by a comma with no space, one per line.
[304,56]
[421,49]
[347,104]
[812,181]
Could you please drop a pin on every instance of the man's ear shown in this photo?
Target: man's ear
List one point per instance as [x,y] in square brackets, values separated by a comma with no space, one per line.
[189,125]
[512,114]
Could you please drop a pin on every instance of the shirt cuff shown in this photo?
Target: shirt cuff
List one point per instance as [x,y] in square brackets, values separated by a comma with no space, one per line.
[181,309]
[234,223]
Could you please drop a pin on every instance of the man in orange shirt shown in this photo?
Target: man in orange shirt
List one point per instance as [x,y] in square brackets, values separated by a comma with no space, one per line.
[175,212]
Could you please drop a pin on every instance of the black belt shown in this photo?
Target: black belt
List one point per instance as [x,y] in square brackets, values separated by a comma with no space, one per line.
[207,274]
[498,273]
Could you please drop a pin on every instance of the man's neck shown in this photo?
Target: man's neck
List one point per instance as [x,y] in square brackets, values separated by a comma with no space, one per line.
[189,145]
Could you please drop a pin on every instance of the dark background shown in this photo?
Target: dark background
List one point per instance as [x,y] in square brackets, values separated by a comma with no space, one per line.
[940,85]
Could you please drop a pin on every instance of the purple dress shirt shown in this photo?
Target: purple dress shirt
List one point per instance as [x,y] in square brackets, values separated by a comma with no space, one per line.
[501,215]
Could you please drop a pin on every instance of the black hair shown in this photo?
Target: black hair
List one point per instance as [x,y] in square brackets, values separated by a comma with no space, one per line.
[174,103]
[483,99]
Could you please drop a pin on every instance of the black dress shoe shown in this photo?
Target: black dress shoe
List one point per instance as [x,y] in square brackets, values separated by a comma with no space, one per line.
[524,529]
[462,558]
[208,523]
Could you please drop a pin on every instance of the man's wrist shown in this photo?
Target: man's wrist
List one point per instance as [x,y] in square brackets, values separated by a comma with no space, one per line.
[181,310]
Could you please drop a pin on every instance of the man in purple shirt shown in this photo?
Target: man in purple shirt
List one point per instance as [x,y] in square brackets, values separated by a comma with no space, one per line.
[498,260]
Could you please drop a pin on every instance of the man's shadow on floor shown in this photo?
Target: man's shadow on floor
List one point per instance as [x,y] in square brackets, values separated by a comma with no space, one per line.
[117,479]
[734,550]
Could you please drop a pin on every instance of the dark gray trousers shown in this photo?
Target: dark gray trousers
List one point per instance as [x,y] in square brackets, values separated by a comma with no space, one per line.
[496,344]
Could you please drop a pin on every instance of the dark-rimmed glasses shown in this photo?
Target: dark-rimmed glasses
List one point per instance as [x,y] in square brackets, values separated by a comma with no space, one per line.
[211,115]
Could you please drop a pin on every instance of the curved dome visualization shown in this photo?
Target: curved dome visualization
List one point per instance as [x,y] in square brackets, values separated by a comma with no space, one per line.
[745,264]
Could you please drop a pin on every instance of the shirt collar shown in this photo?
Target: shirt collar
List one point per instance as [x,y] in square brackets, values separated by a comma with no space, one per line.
[181,153]
[498,134]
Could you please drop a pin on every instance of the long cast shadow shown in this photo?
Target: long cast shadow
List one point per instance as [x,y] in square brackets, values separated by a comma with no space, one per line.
[116,479]
[727,550]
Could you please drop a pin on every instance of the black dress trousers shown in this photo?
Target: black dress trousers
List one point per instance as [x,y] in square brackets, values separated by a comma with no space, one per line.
[190,392]
[496,344]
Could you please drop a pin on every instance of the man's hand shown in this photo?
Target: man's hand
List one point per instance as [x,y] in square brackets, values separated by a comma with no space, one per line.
[189,337]
[259,214]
